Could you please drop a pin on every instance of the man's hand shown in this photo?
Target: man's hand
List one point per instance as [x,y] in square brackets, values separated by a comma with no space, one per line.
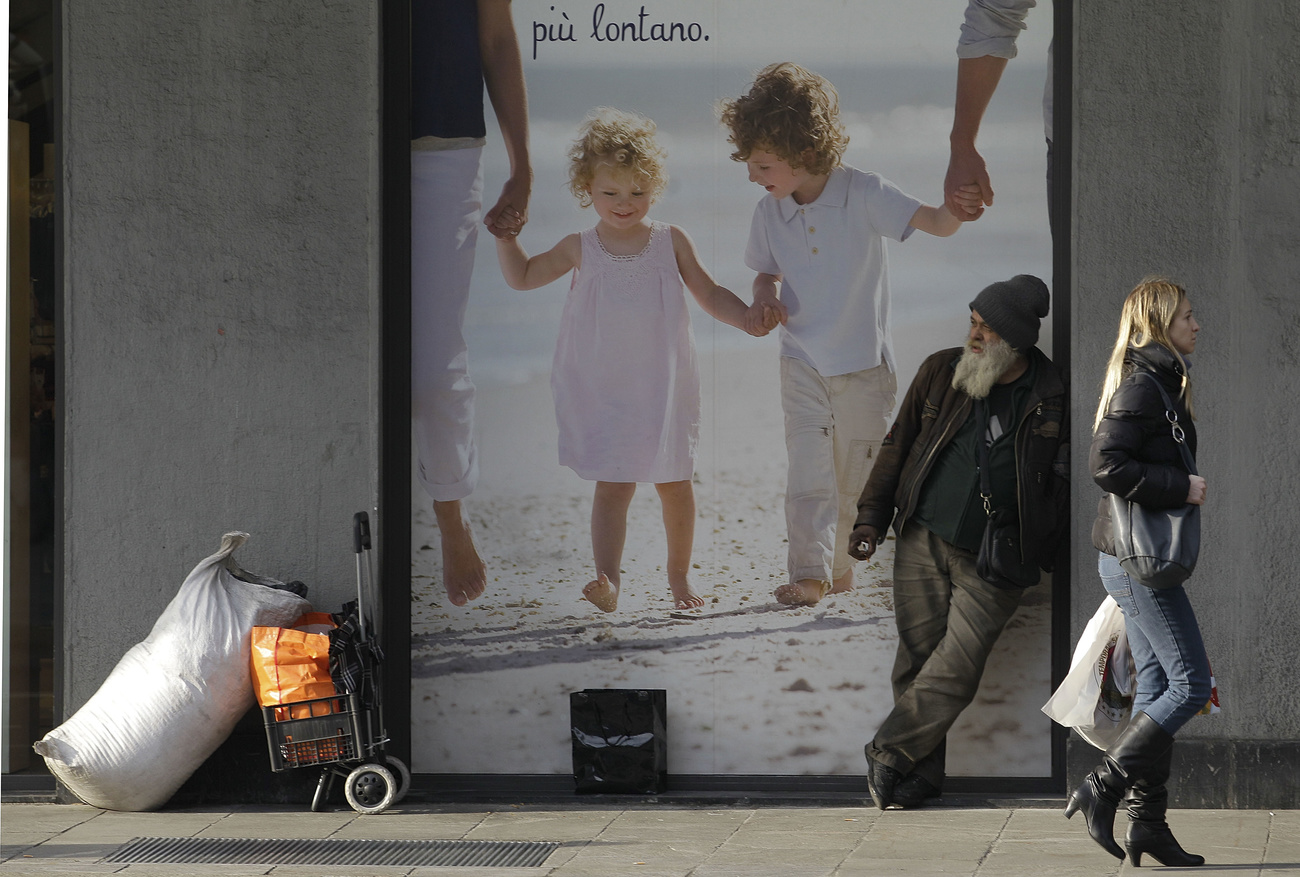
[966,168]
[971,200]
[863,541]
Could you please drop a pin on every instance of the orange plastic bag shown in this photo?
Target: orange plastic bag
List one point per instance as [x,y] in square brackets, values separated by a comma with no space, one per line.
[292,664]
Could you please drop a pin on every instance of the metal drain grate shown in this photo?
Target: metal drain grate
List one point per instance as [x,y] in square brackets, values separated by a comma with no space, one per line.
[326,851]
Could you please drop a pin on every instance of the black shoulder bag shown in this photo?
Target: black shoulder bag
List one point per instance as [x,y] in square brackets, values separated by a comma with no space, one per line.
[1001,562]
[1158,547]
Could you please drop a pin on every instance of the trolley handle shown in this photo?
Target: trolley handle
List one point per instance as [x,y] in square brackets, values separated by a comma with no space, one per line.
[360,532]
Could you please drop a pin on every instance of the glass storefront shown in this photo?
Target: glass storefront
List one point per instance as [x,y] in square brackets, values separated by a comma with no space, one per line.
[31,523]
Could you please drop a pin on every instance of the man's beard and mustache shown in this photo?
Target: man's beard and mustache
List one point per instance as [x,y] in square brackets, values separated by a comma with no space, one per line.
[976,373]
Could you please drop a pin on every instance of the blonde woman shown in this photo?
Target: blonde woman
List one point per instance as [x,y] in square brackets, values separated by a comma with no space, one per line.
[1135,455]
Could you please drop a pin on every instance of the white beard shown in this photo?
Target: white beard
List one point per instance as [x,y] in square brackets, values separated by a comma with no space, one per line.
[976,373]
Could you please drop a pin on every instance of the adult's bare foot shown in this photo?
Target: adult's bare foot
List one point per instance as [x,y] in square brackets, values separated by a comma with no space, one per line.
[806,592]
[602,593]
[464,575]
[843,583]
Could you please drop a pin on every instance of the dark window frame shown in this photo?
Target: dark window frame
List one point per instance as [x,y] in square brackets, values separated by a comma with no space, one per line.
[393,535]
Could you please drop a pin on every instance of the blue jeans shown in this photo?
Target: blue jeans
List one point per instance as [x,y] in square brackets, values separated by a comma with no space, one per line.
[1173,674]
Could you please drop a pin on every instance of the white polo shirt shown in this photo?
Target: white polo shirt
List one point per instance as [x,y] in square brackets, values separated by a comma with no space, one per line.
[835,278]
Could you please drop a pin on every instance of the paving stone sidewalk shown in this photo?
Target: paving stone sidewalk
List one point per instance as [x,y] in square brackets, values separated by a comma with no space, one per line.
[657,841]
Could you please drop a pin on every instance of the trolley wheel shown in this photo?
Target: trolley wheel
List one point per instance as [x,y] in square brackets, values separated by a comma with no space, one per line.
[322,796]
[370,789]
[398,768]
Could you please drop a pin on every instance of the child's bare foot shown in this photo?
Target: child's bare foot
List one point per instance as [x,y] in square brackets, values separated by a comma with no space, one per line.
[464,575]
[602,593]
[843,583]
[805,592]
[684,596]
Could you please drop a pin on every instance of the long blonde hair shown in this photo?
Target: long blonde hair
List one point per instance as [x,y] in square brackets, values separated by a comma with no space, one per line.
[1148,313]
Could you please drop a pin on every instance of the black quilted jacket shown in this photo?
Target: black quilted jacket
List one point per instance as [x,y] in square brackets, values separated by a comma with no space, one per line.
[1133,451]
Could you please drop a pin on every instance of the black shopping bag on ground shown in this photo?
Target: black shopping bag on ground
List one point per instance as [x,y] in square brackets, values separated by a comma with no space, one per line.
[620,740]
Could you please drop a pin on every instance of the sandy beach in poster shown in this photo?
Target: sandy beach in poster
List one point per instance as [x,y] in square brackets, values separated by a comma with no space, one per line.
[753,687]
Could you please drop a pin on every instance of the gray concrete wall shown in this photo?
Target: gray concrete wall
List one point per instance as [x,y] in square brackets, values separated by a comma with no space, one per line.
[1186,163]
[221,230]
[221,254]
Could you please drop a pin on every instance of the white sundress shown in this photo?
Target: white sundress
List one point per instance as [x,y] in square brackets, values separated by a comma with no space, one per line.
[625,378]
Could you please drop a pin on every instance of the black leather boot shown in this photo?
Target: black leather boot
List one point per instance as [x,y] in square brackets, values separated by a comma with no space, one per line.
[1130,757]
[1148,832]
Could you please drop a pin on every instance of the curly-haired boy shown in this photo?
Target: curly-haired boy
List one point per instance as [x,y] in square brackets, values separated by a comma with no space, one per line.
[818,245]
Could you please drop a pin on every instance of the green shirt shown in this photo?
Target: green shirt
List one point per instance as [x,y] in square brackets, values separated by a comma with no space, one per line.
[950,505]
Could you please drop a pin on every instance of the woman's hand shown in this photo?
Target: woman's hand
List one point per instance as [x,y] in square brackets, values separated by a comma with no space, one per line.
[1196,490]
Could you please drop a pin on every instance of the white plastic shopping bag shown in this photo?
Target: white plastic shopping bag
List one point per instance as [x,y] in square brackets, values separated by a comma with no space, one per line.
[1096,696]
[176,696]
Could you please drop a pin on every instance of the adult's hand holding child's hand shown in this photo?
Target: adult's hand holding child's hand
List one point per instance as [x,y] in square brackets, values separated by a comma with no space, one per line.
[969,200]
[505,221]
[966,168]
[510,214]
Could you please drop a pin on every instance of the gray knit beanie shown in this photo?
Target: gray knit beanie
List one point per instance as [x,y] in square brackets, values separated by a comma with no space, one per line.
[1014,308]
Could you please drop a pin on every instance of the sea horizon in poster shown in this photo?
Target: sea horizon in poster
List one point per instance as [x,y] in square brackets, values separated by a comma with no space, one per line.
[753,688]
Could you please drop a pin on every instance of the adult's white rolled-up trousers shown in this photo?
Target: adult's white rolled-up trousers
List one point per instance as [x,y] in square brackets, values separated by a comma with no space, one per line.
[446,203]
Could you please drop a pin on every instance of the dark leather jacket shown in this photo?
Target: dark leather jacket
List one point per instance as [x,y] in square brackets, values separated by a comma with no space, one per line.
[1133,451]
[930,416]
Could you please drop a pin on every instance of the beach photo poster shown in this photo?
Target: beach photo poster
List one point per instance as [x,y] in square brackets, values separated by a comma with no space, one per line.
[753,687]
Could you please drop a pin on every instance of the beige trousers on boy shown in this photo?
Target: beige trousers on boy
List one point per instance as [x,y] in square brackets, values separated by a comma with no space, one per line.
[833,430]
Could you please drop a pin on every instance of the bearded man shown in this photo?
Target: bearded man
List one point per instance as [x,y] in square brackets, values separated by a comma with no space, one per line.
[926,481]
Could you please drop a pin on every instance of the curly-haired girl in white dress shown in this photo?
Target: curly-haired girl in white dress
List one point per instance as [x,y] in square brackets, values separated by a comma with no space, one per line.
[625,378]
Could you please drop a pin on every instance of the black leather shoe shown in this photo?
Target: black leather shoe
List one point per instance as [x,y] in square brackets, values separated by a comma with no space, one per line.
[881,781]
[913,791]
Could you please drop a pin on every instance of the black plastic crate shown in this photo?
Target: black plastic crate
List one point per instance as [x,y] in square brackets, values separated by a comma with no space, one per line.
[310,732]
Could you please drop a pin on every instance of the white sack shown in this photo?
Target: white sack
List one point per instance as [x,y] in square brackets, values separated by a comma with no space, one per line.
[175,697]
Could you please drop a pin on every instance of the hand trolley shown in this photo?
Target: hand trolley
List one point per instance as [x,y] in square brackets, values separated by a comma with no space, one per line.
[344,734]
